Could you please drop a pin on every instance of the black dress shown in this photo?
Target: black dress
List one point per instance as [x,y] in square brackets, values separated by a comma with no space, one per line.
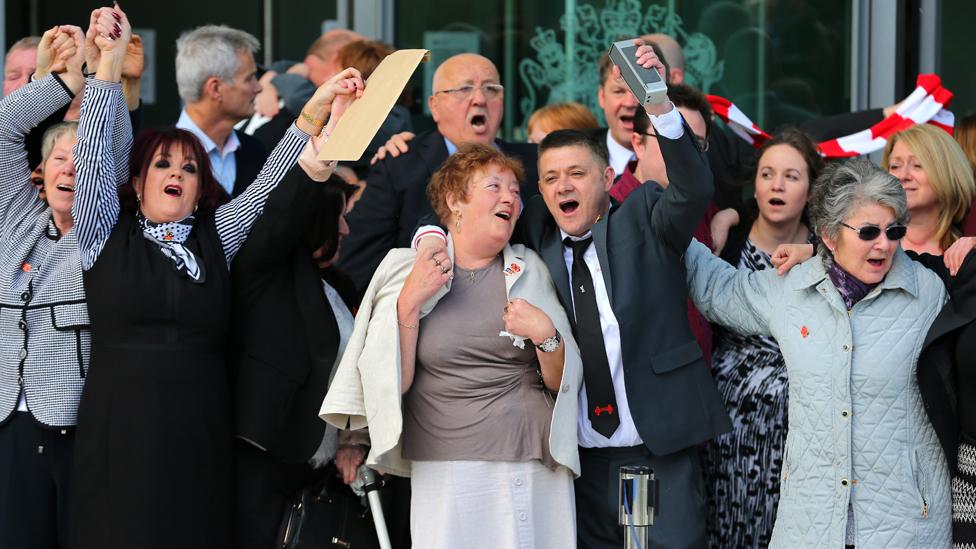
[153,462]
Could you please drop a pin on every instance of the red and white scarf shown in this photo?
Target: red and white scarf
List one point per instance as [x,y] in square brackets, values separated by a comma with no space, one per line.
[924,105]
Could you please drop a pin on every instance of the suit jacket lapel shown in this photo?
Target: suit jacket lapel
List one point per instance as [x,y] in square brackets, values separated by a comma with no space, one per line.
[552,254]
[433,150]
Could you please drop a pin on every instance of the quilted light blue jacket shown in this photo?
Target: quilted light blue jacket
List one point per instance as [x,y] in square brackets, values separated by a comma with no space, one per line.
[858,433]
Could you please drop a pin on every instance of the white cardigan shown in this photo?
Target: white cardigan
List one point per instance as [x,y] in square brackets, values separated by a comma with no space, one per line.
[366,388]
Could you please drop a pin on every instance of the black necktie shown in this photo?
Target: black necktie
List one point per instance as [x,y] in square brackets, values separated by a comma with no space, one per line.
[589,335]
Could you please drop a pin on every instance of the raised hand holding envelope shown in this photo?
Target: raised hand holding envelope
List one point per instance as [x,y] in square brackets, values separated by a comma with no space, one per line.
[364,117]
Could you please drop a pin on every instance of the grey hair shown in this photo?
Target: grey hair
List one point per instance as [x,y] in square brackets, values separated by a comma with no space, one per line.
[54,133]
[845,186]
[208,51]
[25,43]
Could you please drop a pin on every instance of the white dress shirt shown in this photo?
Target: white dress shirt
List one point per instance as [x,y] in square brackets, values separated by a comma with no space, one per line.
[620,156]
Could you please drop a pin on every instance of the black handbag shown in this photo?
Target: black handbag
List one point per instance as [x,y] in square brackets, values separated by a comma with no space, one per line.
[327,515]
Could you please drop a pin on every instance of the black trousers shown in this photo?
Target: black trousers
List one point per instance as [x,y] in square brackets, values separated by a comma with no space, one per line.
[265,487]
[35,475]
[679,522]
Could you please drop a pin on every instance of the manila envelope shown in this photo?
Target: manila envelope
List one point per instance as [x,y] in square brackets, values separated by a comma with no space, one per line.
[363,118]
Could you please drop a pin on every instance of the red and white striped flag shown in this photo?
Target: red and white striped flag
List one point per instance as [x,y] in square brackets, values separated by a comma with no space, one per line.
[924,105]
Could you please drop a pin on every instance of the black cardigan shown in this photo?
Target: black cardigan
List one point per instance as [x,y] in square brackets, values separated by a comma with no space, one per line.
[937,368]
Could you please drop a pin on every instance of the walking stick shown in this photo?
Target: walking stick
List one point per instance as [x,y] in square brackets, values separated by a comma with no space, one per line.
[370,483]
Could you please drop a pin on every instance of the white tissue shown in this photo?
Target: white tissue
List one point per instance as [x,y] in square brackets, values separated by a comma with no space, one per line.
[518,341]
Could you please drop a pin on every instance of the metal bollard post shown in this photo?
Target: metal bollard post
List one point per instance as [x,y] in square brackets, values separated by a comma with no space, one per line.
[637,498]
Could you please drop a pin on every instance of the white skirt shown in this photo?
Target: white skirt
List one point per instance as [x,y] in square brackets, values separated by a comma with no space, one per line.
[491,505]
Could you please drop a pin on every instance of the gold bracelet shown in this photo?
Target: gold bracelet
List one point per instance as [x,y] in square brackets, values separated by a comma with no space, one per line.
[408,326]
[313,121]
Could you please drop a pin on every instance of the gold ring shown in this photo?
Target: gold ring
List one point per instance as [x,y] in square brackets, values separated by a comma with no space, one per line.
[437,262]
[444,270]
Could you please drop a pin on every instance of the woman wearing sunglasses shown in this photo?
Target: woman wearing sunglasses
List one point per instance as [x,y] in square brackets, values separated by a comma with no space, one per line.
[863,465]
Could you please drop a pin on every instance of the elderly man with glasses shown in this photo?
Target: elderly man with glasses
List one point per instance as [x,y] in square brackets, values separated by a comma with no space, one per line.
[467,105]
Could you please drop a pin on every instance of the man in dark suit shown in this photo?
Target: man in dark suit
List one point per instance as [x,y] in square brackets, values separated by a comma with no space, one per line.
[648,397]
[216,75]
[467,105]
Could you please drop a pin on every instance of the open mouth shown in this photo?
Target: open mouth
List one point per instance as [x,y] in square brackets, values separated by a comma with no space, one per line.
[503,215]
[627,121]
[479,122]
[776,202]
[173,190]
[876,262]
[65,187]
[569,206]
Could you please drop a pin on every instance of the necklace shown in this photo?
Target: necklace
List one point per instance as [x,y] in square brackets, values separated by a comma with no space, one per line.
[476,275]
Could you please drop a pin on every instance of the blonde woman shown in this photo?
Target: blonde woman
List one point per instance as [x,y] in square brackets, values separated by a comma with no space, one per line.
[938,181]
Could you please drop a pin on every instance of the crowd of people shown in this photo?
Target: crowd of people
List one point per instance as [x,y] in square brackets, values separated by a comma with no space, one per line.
[204,322]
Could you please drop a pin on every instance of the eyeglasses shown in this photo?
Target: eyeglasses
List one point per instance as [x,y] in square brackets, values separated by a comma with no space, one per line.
[699,140]
[872,232]
[491,91]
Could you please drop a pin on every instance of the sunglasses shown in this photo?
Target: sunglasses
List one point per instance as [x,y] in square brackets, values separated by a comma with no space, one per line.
[872,232]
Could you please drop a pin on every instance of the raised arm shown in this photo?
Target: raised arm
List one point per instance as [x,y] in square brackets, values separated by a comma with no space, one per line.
[131,70]
[683,204]
[739,299]
[236,218]
[96,205]
[27,107]
[678,211]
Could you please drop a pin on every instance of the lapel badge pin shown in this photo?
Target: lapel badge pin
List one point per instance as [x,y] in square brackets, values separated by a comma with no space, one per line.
[804,331]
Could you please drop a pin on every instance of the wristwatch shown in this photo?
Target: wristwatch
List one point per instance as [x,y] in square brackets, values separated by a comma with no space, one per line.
[550,344]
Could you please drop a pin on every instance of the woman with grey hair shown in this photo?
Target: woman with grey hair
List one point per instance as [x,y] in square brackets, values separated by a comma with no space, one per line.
[863,465]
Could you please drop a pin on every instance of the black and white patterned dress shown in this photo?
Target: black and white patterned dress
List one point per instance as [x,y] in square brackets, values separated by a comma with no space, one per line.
[742,468]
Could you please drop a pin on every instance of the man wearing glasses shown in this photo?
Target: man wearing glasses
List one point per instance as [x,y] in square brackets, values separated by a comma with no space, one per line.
[467,105]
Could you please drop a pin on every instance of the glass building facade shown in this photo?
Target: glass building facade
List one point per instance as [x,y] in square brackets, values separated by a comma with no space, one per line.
[780,61]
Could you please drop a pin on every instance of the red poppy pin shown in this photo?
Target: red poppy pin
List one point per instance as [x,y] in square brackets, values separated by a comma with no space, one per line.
[804,331]
[512,269]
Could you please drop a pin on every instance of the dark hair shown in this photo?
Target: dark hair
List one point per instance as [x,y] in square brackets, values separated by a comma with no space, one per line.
[575,138]
[681,95]
[605,65]
[143,150]
[328,205]
[799,140]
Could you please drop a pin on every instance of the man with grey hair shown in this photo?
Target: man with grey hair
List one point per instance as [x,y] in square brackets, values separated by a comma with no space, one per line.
[217,80]
[19,63]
